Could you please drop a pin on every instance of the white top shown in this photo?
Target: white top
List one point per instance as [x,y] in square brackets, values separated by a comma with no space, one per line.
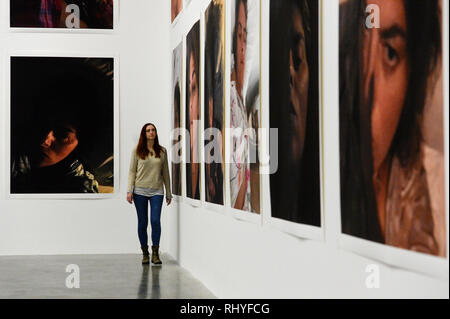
[240,166]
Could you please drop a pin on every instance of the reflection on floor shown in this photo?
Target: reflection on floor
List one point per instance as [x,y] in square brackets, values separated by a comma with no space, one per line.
[100,276]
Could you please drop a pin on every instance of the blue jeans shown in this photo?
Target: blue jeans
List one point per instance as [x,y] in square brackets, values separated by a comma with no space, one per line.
[141,203]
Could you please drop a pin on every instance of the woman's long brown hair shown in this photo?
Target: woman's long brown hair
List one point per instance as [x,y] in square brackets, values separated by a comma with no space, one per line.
[142,149]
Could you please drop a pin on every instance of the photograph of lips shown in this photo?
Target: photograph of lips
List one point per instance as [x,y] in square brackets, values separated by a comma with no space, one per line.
[245,105]
[62,125]
[294,110]
[214,102]
[193,115]
[78,14]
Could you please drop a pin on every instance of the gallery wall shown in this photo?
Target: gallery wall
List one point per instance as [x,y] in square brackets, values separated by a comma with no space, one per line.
[140,44]
[250,257]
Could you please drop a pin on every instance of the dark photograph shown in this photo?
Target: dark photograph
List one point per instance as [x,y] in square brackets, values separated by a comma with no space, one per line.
[71,14]
[214,102]
[193,112]
[295,110]
[176,119]
[62,125]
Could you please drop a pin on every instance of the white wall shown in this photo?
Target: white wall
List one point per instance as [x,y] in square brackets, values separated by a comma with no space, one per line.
[237,259]
[94,226]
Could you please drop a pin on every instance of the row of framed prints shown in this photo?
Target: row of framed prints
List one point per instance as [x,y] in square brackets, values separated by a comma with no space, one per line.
[235,144]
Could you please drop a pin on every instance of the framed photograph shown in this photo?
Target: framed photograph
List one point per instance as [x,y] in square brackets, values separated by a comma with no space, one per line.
[295,112]
[63,15]
[193,114]
[391,122]
[245,109]
[63,126]
[214,101]
[177,93]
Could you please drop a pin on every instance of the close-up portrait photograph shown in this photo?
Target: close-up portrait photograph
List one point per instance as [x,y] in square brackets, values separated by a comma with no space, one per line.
[245,109]
[295,110]
[193,112]
[62,125]
[176,125]
[214,102]
[391,124]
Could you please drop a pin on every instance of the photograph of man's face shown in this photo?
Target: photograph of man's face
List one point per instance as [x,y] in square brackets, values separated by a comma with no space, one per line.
[193,111]
[294,109]
[391,152]
[77,14]
[62,130]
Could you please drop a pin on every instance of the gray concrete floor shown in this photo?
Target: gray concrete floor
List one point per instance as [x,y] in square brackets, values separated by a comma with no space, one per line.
[101,276]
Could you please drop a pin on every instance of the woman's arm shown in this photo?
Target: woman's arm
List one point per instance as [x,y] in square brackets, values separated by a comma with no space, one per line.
[166,176]
[132,172]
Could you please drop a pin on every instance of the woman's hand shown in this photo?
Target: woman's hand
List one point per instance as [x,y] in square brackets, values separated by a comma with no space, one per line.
[168,201]
[130,198]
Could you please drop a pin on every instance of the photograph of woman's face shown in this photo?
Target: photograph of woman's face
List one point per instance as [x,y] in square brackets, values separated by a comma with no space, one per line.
[176,119]
[214,77]
[193,111]
[386,69]
[400,62]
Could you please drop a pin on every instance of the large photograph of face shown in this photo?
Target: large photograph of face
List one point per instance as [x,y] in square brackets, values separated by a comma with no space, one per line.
[193,112]
[176,119]
[62,129]
[78,14]
[245,108]
[214,102]
[391,124]
[294,110]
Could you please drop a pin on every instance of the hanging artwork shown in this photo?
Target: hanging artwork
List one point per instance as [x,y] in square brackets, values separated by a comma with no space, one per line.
[176,120]
[62,125]
[214,102]
[193,116]
[245,110]
[391,127]
[62,14]
[295,110]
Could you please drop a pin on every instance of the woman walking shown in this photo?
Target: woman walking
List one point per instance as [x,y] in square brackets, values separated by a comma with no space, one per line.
[149,170]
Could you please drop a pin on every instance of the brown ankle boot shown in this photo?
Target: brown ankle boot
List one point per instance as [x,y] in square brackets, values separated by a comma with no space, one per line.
[155,256]
[145,255]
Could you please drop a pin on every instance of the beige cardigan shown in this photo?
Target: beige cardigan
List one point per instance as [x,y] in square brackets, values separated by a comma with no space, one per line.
[151,172]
